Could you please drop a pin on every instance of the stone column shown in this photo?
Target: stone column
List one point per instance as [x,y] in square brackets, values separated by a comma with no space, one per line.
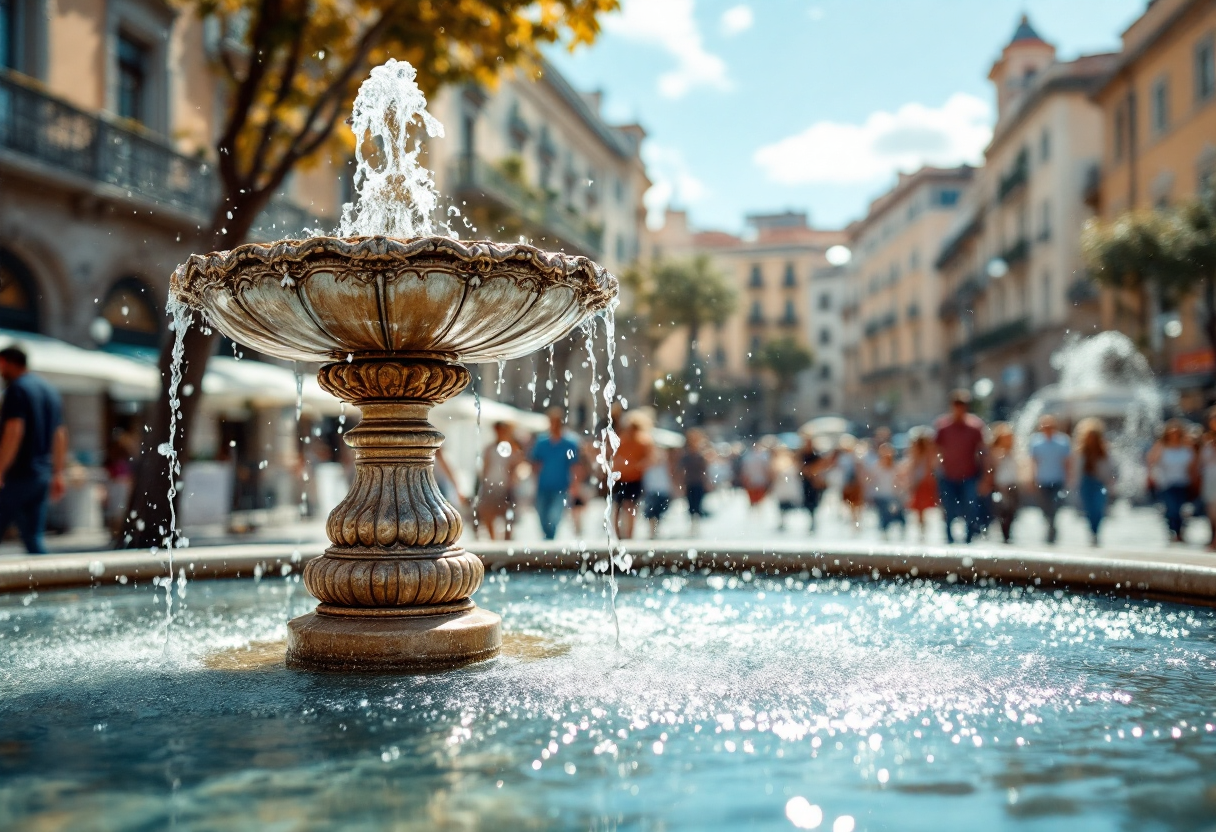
[395,589]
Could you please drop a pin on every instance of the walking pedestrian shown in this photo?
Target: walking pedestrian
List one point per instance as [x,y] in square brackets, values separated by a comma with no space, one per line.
[633,456]
[960,444]
[657,486]
[1004,473]
[851,492]
[1173,466]
[692,473]
[922,481]
[1051,470]
[885,487]
[500,466]
[555,454]
[755,471]
[787,484]
[33,450]
[814,475]
[1097,473]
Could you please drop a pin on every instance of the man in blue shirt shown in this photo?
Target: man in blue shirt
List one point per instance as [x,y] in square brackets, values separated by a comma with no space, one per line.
[555,455]
[33,447]
[1051,457]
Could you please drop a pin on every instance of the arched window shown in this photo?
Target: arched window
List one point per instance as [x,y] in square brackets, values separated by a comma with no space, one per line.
[18,294]
[131,313]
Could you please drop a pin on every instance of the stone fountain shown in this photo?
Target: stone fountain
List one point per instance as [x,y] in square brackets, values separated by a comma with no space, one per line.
[393,321]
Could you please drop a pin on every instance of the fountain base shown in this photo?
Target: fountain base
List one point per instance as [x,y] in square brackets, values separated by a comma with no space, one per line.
[412,638]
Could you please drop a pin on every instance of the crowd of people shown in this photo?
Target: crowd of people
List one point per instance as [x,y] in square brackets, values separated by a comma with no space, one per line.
[980,476]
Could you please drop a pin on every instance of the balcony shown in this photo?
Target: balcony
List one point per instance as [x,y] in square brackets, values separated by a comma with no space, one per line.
[475,178]
[788,321]
[68,140]
[1013,181]
[991,339]
[882,374]
[1016,253]
[121,163]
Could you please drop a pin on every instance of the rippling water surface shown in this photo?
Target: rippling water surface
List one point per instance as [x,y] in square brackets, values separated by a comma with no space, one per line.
[733,704]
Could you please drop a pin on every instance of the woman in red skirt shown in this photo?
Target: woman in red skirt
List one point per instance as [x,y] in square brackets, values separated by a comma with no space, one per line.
[922,477]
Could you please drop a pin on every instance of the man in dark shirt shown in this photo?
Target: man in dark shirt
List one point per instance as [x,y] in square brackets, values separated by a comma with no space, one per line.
[33,447]
[960,444]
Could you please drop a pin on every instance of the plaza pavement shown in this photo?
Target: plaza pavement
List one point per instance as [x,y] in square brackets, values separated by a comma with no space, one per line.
[1139,530]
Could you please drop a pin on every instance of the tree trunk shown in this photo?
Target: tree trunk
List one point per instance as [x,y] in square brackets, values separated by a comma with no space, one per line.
[1209,316]
[148,519]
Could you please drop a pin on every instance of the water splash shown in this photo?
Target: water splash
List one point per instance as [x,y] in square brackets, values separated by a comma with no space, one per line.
[182,317]
[603,457]
[479,465]
[395,195]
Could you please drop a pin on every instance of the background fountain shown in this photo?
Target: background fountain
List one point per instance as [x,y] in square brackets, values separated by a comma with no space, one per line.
[392,319]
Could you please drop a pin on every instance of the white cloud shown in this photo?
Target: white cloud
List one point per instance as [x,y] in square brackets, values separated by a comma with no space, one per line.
[670,25]
[673,184]
[815,13]
[914,135]
[737,19]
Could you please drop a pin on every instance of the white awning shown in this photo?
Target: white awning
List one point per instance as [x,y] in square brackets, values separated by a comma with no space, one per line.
[71,369]
[247,382]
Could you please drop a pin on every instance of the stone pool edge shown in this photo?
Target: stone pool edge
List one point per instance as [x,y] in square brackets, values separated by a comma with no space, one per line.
[1184,575]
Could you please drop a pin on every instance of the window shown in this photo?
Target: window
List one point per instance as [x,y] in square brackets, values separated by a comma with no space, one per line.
[18,307]
[790,279]
[620,247]
[756,316]
[894,274]
[946,197]
[132,314]
[825,402]
[825,336]
[618,188]
[1045,221]
[790,315]
[1161,105]
[1117,132]
[825,372]
[754,346]
[8,34]
[132,79]
[914,260]
[1047,304]
[825,301]
[1045,145]
[720,356]
[1205,69]
[757,277]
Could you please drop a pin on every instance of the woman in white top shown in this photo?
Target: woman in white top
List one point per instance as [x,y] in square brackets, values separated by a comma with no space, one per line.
[1004,472]
[885,485]
[1172,465]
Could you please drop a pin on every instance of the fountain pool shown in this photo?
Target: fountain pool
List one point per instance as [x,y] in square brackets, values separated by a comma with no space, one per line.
[732,704]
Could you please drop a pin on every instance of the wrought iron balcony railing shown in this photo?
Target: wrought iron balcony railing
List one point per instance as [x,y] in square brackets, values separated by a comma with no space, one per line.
[476,176]
[67,139]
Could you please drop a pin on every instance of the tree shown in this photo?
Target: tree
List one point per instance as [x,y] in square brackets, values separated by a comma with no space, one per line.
[1163,254]
[690,293]
[290,70]
[784,359]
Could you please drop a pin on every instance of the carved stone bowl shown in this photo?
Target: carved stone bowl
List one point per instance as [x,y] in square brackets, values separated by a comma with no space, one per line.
[392,320]
[325,298]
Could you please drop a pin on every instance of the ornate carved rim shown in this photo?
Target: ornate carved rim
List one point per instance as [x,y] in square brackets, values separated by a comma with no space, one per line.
[362,257]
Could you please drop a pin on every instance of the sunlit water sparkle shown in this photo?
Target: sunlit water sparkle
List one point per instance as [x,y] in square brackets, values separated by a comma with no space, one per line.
[902,706]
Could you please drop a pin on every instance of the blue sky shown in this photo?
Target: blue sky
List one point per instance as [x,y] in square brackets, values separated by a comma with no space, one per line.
[772,104]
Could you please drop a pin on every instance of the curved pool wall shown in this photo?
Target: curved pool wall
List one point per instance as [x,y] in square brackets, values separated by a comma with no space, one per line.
[1180,575]
[733,701]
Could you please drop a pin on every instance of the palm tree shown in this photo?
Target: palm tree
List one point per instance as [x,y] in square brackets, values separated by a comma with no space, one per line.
[690,293]
[784,358]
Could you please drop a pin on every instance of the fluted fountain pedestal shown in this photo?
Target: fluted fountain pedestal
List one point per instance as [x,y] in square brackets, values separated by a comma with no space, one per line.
[394,588]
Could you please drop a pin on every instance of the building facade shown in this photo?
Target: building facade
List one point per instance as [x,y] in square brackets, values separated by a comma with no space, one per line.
[896,372]
[1159,109]
[1013,281]
[534,160]
[785,289]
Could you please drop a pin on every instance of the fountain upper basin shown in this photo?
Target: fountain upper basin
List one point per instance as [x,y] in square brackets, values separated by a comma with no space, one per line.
[324,298]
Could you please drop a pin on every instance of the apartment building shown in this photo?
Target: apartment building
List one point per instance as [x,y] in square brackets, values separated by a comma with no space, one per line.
[786,289]
[535,160]
[1159,109]
[895,368]
[1013,281]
